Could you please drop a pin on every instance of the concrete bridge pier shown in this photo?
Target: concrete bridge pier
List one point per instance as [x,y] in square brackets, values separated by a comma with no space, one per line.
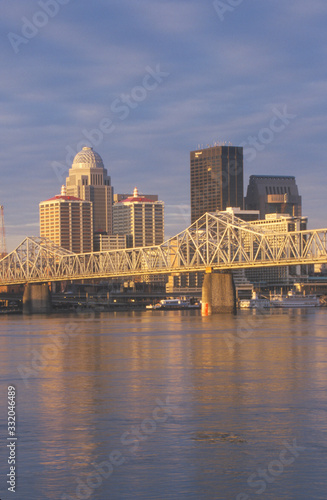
[36,298]
[218,293]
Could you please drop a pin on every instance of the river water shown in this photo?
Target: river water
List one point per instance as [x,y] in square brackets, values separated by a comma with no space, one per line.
[160,405]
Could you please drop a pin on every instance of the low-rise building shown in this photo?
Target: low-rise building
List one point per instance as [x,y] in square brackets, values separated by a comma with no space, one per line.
[277,225]
[107,242]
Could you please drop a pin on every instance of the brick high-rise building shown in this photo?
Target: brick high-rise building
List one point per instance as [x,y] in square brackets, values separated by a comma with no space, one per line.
[216,179]
[140,219]
[68,222]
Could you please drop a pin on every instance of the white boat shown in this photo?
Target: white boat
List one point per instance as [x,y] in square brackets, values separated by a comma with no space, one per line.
[254,303]
[174,304]
[153,306]
[294,300]
[290,300]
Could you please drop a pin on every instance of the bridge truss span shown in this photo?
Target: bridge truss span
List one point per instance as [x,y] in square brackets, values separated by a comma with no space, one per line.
[216,240]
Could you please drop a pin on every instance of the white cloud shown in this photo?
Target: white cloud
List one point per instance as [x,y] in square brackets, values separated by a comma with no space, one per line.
[225,78]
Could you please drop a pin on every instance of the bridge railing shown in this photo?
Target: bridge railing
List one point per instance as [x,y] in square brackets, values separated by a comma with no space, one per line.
[215,241]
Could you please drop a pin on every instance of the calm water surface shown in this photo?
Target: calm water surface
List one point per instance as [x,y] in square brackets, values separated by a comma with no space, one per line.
[167,405]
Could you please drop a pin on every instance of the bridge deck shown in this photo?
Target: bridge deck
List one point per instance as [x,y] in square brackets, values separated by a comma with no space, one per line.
[216,241]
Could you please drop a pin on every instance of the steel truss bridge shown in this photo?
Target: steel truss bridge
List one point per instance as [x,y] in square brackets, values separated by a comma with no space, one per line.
[219,241]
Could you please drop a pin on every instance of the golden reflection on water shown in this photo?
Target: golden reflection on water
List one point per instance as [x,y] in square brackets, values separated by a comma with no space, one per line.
[107,377]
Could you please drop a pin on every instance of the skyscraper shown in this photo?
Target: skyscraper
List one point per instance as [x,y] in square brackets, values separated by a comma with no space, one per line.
[273,194]
[140,219]
[68,222]
[216,179]
[89,180]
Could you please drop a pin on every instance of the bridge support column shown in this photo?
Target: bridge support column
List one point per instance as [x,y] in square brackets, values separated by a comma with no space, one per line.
[36,299]
[218,293]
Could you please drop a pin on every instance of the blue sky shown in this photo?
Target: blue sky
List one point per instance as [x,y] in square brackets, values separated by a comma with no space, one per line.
[223,71]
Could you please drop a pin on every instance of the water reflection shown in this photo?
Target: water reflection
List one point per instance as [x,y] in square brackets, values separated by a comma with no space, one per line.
[234,406]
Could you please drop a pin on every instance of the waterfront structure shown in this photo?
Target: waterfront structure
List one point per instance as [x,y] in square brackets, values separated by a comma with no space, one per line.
[89,180]
[273,194]
[140,219]
[216,179]
[184,282]
[68,222]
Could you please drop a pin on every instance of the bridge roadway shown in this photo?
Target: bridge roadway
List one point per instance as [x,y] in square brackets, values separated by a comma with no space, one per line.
[218,241]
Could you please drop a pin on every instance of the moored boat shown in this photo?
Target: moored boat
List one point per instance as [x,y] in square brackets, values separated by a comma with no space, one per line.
[171,304]
[294,300]
[254,302]
[281,301]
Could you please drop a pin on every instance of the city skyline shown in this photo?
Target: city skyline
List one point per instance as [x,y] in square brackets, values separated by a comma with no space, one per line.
[143,87]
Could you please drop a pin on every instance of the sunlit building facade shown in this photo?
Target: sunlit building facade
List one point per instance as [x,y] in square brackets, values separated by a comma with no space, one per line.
[140,219]
[121,196]
[107,242]
[277,225]
[68,222]
[89,180]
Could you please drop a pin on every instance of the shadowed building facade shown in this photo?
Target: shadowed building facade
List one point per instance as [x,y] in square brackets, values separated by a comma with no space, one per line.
[273,194]
[216,179]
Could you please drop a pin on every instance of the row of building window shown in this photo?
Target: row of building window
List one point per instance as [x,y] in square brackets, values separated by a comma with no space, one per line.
[278,190]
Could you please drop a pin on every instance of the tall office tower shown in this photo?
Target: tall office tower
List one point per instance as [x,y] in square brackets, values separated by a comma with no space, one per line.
[273,194]
[68,222]
[140,219]
[216,179]
[89,180]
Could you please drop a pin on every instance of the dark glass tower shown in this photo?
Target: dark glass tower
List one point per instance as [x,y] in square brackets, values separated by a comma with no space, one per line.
[273,194]
[216,179]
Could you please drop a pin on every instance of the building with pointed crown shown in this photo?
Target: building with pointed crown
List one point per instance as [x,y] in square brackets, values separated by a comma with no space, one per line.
[89,180]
